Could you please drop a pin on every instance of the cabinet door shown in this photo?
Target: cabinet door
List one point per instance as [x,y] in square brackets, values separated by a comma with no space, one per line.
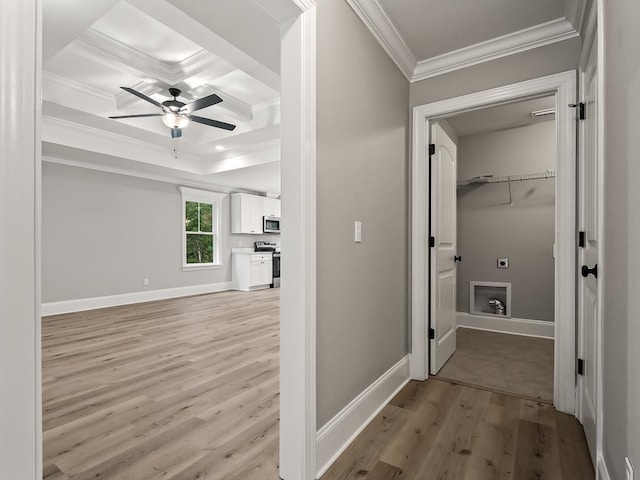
[271,207]
[266,272]
[254,206]
[256,274]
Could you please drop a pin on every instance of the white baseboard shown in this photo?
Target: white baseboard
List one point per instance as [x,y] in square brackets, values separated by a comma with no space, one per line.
[514,326]
[82,304]
[603,471]
[334,437]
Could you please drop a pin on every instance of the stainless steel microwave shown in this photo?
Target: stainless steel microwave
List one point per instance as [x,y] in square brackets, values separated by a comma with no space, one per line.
[271,224]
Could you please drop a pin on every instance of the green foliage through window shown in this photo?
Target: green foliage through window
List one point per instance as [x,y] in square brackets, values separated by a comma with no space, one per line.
[199,232]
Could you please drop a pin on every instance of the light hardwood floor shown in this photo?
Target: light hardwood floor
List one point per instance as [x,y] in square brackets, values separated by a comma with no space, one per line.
[436,430]
[187,389]
[175,389]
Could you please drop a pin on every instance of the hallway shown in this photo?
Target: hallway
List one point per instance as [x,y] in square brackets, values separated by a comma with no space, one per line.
[436,430]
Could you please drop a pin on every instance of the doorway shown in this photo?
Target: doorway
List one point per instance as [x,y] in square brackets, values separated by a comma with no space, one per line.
[563,87]
[502,214]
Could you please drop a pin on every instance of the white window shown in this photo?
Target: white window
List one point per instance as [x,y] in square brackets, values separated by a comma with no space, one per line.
[200,228]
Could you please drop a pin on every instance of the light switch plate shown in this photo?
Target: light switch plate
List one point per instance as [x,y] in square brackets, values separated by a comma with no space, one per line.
[628,468]
[503,262]
[358,232]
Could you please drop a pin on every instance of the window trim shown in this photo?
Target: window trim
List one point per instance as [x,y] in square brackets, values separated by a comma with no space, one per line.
[201,196]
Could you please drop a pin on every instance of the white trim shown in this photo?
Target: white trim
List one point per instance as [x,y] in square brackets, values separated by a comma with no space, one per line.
[589,36]
[338,433]
[574,12]
[298,239]
[512,43]
[602,472]
[382,28]
[201,196]
[564,86]
[513,326]
[374,17]
[83,304]
[20,211]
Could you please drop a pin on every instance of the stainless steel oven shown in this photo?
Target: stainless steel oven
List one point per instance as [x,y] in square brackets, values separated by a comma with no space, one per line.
[276,270]
[271,224]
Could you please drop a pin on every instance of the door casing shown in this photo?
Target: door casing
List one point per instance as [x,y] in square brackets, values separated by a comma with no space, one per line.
[563,85]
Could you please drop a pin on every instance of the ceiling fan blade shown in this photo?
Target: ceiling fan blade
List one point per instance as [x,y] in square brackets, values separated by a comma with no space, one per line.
[212,123]
[201,103]
[137,116]
[142,96]
[176,132]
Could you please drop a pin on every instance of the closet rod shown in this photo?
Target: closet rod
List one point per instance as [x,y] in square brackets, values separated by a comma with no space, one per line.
[508,178]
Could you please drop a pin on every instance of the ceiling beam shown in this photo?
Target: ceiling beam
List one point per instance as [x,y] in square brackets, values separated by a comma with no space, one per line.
[64,20]
[192,29]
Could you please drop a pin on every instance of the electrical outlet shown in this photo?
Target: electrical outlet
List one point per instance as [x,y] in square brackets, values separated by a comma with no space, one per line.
[503,262]
[628,468]
[146,281]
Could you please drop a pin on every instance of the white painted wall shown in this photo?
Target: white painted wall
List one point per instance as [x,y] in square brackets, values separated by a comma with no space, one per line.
[490,228]
[103,233]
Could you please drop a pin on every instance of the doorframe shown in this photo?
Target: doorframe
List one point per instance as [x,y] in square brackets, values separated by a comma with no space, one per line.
[21,402]
[594,38]
[564,86]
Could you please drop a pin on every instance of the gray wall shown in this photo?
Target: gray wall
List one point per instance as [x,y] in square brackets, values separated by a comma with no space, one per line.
[362,125]
[103,233]
[621,260]
[488,227]
[555,58]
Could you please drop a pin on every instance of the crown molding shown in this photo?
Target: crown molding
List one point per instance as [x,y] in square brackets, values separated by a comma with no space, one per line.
[242,110]
[54,84]
[523,40]
[374,17]
[575,12]
[377,21]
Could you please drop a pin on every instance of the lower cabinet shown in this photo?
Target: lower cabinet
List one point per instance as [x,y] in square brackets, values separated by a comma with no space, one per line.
[252,271]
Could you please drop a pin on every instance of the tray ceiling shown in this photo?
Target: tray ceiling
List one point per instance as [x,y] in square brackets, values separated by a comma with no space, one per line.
[151,45]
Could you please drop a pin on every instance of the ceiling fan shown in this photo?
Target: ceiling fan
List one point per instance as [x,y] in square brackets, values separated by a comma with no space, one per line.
[176,114]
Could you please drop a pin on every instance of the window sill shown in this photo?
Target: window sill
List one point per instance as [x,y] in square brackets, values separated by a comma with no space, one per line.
[200,266]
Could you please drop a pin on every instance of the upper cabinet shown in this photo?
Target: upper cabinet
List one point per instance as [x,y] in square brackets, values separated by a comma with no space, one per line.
[270,207]
[247,212]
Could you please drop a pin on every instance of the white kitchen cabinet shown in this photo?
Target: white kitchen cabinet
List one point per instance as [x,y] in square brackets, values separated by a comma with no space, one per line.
[246,213]
[252,271]
[271,207]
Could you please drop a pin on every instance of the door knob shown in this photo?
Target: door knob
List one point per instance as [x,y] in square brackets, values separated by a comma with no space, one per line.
[457,258]
[593,271]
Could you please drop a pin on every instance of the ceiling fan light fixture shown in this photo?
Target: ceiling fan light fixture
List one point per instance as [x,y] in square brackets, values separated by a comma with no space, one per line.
[175,120]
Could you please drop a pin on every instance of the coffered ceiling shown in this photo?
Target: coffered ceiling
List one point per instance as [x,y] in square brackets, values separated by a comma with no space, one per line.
[91,49]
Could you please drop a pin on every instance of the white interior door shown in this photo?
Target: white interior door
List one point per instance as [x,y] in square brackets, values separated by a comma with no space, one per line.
[443,251]
[590,224]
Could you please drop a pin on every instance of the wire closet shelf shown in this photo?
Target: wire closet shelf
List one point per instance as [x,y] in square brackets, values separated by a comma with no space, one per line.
[508,178]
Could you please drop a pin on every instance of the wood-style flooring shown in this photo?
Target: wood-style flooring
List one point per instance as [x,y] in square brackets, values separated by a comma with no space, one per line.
[176,389]
[436,430]
[506,363]
[187,389]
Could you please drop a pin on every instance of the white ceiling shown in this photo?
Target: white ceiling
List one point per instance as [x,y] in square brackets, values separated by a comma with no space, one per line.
[502,117]
[430,37]
[231,49]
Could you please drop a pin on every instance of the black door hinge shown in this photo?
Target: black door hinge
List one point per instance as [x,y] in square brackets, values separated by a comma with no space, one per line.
[432,334]
[580,366]
[582,114]
[432,242]
[432,148]
[581,239]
